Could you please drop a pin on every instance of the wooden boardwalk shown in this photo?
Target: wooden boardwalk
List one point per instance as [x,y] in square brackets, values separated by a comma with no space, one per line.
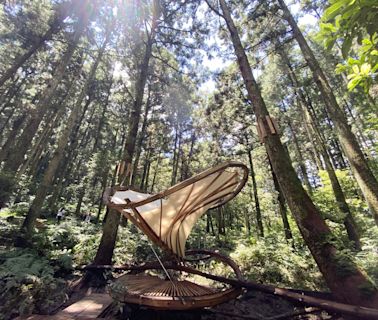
[90,307]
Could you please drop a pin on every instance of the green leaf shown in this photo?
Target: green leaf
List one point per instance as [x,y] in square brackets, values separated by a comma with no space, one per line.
[356,69]
[329,43]
[340,68]
[334,10]
[353,83]
[352,61]
[365,68]
[351,76]
[346,46]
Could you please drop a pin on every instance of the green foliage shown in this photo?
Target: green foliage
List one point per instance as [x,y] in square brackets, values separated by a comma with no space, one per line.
[351,21]
[361,71]
[27,284]
[6,185]
[368,257]
[271,261]
[19,208]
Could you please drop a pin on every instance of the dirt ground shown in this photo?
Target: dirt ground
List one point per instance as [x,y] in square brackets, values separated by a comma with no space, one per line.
[251,305]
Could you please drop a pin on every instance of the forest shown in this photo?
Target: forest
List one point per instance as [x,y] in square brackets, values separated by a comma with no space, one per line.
[142,95]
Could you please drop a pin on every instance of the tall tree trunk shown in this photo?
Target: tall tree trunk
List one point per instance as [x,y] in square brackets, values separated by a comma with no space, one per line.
[301,162]
[361,171]
[145,167]
[96,143]
[175,156]
[175,168]
[346,286]
[55,26]
[37,149]
[186,166]
[141,137]
[103,189]
[11,91]
[15,159]
[16,126]
[281,205]
[157,166]
[105,251]
[349,223]
[309,120]
[56,158]
[260,227]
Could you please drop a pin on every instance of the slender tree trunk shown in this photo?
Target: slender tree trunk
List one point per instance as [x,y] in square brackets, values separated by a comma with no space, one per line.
[15,159]
[10,92]
[80,200]
[37,149]
[178,157]
[175,156]
[141,137]
[6,121]
[16,126]
[301,162]
[69,158]
[48,177]
[105,251]
[209,224]
[155,172]
[314,151]
[247,223]
[55,26]
[103,188]
[101,122]
[281,205]
[346,286]
[145,168]
[349,222]
[260,227]
[358,163]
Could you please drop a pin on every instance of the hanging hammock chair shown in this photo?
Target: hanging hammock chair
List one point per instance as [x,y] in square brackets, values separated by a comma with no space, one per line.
[167,219]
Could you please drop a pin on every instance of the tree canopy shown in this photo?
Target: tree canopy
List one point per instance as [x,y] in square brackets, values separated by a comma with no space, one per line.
[145,94]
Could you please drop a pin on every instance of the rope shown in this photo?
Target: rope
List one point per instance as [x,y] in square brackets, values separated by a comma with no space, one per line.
[167,273]
[161,263]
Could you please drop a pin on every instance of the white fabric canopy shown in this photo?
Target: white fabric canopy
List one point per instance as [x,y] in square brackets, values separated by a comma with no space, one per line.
[172,218]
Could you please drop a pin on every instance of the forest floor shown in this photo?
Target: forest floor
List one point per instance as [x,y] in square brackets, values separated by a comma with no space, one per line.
[251,305]
[37,280]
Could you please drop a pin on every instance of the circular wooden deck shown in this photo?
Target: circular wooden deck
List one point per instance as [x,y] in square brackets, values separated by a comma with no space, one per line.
[157,293]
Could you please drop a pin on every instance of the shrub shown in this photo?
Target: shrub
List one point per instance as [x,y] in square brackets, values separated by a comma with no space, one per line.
[269,261]
[27,284]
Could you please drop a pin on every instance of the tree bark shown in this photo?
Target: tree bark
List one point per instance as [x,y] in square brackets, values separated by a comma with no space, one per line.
[15,159]
[309,121]
[349,223]
[105,251]
[141,137]
[155,172]
[37,149]
[55,26]
[301,162]
[175,156]
[281,205]
[361,171]
[186,165]
[346,285]
[35,208]
[260,227]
